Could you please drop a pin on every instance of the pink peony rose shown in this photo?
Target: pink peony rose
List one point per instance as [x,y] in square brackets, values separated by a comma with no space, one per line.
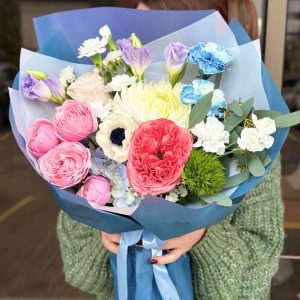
[41,137]
[74,121]
[65,165]
[158,152]
[96,190]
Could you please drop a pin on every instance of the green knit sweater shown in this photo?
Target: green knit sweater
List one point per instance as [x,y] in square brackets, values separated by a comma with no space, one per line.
[235,260]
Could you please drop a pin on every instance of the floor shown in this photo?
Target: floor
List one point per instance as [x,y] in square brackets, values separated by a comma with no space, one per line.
[30,263]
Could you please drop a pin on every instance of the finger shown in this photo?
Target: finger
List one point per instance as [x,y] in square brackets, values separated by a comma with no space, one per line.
[115,238]
[110,246]
[171,257]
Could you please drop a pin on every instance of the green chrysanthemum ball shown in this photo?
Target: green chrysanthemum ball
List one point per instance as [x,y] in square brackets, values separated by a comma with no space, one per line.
[203,173]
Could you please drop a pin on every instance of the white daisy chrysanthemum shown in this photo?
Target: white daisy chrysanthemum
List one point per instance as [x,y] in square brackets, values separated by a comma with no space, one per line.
[148,101]
[67,76]
[114,136]
[92,47]
[112,57]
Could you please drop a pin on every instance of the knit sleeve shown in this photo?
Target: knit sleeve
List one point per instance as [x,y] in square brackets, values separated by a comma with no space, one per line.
[238,257]
[85,260]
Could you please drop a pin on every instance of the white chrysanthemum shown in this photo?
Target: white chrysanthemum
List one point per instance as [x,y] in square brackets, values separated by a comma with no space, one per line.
[105,32]
[120,82]
[211,136]
[148,101]
[250,140]
[265,125]
[114,136]
[91,47]
[67,76]
[112,57]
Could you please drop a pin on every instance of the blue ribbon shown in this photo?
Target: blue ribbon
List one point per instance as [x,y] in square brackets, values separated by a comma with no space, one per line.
[163,281]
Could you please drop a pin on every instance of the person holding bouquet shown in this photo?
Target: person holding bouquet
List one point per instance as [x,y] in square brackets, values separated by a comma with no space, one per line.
[235,259]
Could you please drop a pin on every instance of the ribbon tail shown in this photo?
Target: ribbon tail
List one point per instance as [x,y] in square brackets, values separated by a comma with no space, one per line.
[122,270]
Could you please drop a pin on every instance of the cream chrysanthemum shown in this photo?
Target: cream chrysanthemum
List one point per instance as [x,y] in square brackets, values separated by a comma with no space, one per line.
[114,136]
[148,101]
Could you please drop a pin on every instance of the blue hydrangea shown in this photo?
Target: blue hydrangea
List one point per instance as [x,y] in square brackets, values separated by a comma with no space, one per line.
[210,57]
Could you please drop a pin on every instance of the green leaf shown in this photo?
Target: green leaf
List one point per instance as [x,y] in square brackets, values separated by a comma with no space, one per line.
[267,160]
[267,113]
[219,199]
[287,120]
[236,179]
[200,110]
[233,137]
[234,120]
[255,166]
[236,108]
[225,161]
[217,80]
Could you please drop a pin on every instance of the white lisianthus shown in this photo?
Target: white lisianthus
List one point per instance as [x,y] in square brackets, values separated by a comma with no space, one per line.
[92,47]
[172,197]
[67,76]
[212,136]
[250,140]
[114,136]
[120,82]
[105,32]
[265,126]
[112,57]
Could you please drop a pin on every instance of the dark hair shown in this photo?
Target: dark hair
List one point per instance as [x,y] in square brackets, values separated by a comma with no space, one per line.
[244,10]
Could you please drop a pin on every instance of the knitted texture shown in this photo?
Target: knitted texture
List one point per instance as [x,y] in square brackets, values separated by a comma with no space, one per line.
[235,260]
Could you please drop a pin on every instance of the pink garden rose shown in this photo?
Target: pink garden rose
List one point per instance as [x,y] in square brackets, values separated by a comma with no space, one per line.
[65,165]
[158,152]
[96,190]
[74,121]
[41,137]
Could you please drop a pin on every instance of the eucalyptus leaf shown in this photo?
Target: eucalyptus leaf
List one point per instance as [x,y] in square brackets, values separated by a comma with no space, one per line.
[233,137]
[267,160]
[236,108]
[255,166]
[287,120]
[219,199]
[200,110]
[233,121]
[225,161]
[217,80]
[236,179]
[267,113]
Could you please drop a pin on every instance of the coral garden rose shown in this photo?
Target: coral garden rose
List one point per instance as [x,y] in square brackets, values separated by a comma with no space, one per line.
[96,190]
[65,165]
[74,121]
[41,137]
[158,152]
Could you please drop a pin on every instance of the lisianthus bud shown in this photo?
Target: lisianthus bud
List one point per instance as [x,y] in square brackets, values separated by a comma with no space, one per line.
[136,42]
[176,56]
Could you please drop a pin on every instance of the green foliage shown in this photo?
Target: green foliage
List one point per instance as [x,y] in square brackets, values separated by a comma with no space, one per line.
[287,120]
[203,173]
[10,30]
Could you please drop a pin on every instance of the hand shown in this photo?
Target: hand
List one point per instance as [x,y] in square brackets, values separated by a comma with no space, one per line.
[178,247]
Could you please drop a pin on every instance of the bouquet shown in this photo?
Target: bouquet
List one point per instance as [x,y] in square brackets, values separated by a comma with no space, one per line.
[157,135]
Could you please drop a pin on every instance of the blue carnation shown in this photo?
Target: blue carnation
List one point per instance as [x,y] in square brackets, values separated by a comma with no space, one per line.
[187,95]
[210,57]
[218,107]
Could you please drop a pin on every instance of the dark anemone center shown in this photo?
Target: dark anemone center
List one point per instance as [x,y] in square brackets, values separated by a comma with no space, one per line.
[159,155]
[117,136]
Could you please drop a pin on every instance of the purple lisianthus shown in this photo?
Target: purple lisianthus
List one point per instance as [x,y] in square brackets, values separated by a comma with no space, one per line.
[33,89]
[138,59]
[124,43]
[57,89]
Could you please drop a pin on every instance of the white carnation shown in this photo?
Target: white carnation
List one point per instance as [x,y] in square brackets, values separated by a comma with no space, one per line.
[120,82]
[105,32]
[101,109]
[91,47]
[67,76]
[251,140]
[265,126]
[212,136]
